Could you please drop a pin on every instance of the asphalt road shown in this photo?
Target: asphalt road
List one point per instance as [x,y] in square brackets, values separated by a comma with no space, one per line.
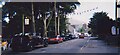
[72,47]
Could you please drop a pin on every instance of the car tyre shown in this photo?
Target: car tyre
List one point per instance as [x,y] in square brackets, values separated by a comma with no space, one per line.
[30,46]
[45,44]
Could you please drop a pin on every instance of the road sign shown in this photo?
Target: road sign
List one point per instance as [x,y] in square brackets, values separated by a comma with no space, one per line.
[113,30]
[26,21]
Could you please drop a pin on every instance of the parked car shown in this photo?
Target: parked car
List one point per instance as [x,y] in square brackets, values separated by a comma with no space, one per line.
[70,37]
[28,41]
[55,39]
[67,37]
[64,37]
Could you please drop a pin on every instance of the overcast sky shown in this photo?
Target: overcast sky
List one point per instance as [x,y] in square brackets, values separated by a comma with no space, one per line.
[98,6]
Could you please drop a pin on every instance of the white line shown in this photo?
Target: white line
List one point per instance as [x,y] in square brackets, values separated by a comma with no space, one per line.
[88,39]
[85,44]
[82,48]
[43,51]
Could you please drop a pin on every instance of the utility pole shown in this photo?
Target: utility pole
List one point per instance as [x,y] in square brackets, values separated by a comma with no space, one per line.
[33,19]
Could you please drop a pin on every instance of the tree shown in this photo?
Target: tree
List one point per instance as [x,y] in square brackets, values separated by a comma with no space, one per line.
[101,24]
[40,8]
[24,8]
[63,9]
[15,20]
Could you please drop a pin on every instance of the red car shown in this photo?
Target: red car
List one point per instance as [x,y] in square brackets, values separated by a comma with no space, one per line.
[82,35]
[55,39]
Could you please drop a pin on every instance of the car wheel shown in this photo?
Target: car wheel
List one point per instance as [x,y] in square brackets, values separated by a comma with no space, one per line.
[30,46]
[45,44]
[15,49]
[58,41]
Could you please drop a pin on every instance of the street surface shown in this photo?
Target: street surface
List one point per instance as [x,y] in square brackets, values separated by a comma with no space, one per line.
[86,45]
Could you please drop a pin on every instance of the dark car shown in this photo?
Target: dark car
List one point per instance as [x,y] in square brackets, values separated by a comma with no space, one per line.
[27,41]
[55,39]
[64,37]
[69,37]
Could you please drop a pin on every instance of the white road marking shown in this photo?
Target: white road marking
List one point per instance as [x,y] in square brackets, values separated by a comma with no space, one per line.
[88,39]
[43,51]
[81,48]
[85,44]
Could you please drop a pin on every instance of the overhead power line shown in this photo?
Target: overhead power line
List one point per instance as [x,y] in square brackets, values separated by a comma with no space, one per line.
[80,13]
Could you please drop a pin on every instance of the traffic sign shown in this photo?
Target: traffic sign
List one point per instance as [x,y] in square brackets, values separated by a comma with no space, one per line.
[113,30]
[26,21]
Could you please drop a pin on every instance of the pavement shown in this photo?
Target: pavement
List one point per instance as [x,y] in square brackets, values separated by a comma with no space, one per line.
[99,46]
